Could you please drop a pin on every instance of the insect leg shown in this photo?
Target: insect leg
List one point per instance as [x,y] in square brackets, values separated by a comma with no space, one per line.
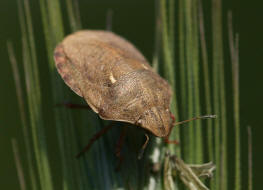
[143,146]
[166,140]
[73,106]
[119,146]
[94,138]
[173,118]
[120,142]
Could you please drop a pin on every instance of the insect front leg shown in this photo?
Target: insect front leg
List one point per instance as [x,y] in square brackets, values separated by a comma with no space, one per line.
[166,139]
[73,106]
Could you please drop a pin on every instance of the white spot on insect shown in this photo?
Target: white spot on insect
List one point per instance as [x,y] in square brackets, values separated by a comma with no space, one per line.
[144,66]
[112,79]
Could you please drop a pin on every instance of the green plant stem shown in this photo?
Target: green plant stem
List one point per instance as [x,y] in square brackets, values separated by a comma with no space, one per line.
[196,95]
[54,32]
[171,32]
[236,118]
[22,111]
[233,44]
[19,168]
[72,16]
[34,98]
[206,82]
[157,38]
[183,89]
[183,77]
[223,150]
[190,83]
[250,165]
[217,66]
[169,69]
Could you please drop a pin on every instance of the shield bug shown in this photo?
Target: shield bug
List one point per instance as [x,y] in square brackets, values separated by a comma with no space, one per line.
[115,79]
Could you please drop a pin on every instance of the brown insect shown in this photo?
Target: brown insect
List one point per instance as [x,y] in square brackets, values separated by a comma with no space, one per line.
[115,79]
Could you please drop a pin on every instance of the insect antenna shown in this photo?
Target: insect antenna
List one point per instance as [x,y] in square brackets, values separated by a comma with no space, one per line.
[196,118]
[143,146]
[166,139]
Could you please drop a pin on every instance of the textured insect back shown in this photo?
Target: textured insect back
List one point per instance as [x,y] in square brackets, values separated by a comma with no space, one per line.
[65,69]
[115,79]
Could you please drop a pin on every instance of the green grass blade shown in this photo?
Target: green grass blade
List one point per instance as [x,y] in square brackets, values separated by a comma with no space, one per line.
[20,172]
[22,111]
[32,47]
[73,16]
[183,77]
[189,73]
[54,32]
[250,165]
[34,99]
[233,44]
[221,138]
[77,13]
[168,59]
[109,19]
[171,32]
[217,64]
[196,95]
[181,33]
[207,88]
[223,113]
[157,38]
[237,116]
[169,69]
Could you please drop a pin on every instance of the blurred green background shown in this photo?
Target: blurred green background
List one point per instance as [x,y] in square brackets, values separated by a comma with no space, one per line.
[133,19]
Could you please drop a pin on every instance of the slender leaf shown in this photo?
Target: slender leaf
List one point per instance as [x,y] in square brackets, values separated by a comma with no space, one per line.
[233,44]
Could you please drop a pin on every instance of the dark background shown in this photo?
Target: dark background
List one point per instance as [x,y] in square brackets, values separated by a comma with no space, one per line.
[133,19]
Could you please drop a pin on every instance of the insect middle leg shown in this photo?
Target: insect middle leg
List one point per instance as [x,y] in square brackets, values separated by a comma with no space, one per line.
[73,106]
[119,146]
[94,138]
